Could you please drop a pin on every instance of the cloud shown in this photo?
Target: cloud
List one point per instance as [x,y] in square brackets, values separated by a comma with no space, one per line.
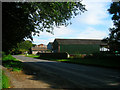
[91,33]
[46,37]
[37,41]
[96,13]
[97,0]
[58,32]
[88,25]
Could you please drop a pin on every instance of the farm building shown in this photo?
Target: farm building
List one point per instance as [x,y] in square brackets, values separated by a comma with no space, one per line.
[41,48]
[78,46]
[49,46]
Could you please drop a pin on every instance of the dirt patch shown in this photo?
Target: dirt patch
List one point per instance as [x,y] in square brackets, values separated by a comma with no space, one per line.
[31,77]
[21,80]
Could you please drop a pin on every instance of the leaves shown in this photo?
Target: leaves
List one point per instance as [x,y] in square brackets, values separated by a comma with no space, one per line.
[114,36]
[20,19]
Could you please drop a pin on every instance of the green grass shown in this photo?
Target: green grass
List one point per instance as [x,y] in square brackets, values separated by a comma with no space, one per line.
[0,79]
[32,55]
[10,62]
[5,81]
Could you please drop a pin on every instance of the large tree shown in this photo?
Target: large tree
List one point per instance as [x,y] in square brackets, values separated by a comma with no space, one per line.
[114,37]
[20,19]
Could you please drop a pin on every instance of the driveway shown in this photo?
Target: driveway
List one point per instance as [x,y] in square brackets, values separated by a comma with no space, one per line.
[79,76]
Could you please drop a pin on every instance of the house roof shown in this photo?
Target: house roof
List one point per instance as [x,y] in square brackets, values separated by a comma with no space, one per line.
[79,41]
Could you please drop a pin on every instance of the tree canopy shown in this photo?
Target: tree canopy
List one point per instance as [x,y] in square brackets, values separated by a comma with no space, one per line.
[22,47]
[114,37]
[20,19]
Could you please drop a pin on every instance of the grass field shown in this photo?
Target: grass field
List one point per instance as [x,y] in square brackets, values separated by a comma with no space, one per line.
[10,62]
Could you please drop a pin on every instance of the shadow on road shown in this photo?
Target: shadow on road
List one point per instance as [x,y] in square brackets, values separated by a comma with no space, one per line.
[55,81]
[41,73]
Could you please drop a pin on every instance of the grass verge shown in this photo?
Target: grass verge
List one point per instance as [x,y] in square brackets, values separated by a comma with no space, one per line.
[5,81]
[12,63]
[32,55]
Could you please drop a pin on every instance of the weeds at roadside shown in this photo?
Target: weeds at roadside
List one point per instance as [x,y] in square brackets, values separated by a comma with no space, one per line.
[5,81]
[12,63]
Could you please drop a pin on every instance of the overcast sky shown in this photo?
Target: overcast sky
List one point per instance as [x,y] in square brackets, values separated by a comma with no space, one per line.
[92,24]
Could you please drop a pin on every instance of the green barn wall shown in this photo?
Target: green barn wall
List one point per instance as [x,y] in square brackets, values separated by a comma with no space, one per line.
[80,49]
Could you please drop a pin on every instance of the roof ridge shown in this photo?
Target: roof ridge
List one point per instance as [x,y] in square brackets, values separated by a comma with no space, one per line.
[76,39]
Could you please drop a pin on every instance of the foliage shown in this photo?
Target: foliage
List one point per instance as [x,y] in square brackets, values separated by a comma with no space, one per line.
[33,45]
[25,45]
[20,19]
[114,38]
[22,47]
[5,81]
[10,62]
[80,49]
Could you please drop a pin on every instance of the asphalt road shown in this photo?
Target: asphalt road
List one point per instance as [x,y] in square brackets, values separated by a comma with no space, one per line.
[80,75]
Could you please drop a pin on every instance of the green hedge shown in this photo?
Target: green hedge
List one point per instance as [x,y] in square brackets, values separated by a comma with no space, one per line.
[53,55]
[80,49]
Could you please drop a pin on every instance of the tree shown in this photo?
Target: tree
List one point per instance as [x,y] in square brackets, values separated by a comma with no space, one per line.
[22,47]
[114,37]
[20,19]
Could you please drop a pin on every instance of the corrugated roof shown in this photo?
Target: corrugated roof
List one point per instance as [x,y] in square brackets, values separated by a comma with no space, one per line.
[79,41]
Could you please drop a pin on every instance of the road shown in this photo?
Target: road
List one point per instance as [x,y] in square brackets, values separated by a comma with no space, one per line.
[80,75]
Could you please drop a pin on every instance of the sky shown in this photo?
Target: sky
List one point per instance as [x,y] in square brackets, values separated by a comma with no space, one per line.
[92,24]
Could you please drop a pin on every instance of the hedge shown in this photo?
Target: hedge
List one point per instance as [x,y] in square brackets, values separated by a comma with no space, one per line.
[53,55]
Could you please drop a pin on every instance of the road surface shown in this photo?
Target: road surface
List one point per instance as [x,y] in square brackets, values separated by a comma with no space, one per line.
[80,75]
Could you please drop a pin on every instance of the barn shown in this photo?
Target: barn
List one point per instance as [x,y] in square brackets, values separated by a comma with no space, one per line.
[77,46]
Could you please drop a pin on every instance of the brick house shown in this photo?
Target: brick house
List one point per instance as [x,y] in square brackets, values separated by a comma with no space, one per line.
[41,48]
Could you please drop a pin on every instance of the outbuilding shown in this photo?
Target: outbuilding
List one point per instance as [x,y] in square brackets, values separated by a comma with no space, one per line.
[78,46]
